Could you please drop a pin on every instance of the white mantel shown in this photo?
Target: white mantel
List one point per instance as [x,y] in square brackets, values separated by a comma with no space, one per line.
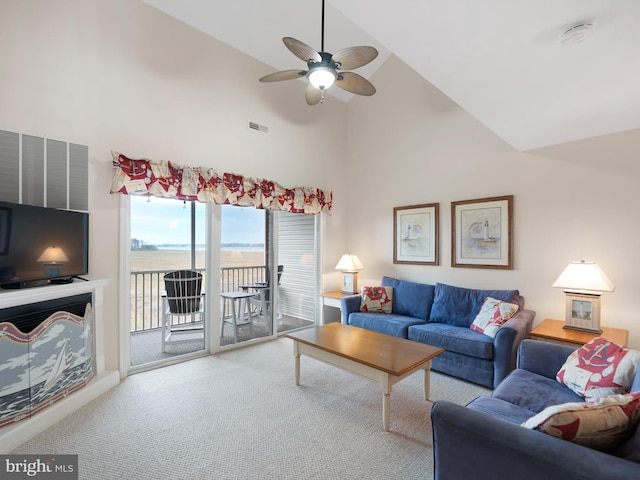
[12,436]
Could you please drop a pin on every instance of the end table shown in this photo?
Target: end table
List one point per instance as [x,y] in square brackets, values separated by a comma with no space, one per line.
[551,331]
[332,300]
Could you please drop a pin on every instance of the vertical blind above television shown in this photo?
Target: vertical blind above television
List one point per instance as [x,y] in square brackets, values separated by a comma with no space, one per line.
[55,173]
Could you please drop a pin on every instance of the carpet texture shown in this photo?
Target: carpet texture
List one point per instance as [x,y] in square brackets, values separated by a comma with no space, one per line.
[239,415]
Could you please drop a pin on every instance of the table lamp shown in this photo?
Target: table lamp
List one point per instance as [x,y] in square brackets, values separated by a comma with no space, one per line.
[349,264]
[583,282]
[53,259]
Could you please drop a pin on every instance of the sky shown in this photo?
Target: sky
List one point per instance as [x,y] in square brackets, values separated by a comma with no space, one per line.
[166,221]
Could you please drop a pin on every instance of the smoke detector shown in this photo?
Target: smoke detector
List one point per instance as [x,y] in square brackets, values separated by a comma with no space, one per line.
[577,32]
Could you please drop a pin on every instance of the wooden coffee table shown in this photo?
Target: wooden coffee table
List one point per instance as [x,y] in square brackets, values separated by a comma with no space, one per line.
[384,359]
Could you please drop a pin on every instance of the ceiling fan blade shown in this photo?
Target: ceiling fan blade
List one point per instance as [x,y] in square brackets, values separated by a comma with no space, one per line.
[283,75]
[354,83]
[312,95]
[354,57]
[301,50]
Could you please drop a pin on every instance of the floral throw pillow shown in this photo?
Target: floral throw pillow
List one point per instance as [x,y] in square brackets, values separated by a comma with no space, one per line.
[601,424]
[376,299]
[493,314]
[599,368]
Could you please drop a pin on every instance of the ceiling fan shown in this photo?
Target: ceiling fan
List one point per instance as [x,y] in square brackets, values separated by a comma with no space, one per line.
[325,69]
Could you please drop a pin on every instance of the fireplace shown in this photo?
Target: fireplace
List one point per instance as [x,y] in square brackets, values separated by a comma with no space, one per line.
[47,350]
[51,356]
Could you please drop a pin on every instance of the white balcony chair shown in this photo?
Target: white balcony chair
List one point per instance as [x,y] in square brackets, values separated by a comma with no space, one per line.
[262,301]
[182,308]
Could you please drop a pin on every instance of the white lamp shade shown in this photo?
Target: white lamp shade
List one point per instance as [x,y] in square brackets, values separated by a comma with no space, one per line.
[349,263]
[584,277]
[322,77]
[53,255]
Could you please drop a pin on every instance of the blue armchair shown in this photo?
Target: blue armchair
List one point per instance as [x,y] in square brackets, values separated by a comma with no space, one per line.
[485,440]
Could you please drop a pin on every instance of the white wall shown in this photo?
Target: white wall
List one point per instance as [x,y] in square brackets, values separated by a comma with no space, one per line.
[410,144]
[120,75]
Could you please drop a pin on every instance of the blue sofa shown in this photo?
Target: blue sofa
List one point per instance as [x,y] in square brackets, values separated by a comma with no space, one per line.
[485,440]
[440,315]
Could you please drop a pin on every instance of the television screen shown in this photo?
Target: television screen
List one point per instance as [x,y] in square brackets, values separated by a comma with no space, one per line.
[41,245]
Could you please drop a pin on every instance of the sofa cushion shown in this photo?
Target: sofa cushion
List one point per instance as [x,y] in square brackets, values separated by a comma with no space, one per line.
[459,306]
[376,299]
[472,369]
[533,392]
[601,424]
[493,314]
[410,298]
[389,323]
[501,409]
[453,339]
[599,368]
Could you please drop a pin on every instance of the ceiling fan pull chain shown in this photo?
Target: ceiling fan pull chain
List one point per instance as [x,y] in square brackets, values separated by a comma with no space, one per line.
[322,30]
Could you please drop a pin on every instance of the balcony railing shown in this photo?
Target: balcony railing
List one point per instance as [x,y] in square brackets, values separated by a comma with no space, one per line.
[147,288]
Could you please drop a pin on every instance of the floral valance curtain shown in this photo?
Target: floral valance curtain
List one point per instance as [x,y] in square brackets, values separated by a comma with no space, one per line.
[170,180]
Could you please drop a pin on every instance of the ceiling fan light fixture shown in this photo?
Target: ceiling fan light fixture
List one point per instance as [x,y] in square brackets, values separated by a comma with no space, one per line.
[322,68]
[322,77]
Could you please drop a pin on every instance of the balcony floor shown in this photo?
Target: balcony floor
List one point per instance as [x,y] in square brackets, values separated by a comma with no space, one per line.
[145,345]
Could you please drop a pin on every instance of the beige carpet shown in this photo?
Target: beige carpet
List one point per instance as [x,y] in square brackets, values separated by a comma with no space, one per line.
[239,415]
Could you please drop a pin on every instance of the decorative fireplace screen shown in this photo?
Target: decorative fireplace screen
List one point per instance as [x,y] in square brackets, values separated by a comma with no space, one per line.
[46,353]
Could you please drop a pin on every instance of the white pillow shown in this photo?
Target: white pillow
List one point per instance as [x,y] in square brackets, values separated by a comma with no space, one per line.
[601,424]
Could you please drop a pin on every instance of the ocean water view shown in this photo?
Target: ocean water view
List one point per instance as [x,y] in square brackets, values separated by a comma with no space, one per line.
[233,247]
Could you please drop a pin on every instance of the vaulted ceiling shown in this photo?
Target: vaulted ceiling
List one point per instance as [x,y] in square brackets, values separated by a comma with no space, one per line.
[503,61]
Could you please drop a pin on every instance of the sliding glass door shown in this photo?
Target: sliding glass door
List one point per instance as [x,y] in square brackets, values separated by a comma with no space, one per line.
[269,273]
[167,235]
[245,292]
[263,279]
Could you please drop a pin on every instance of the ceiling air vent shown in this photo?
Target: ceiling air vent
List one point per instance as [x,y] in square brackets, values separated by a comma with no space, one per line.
[258,127]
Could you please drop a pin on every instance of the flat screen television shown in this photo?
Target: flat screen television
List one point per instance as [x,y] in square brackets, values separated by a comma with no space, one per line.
[39,246]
